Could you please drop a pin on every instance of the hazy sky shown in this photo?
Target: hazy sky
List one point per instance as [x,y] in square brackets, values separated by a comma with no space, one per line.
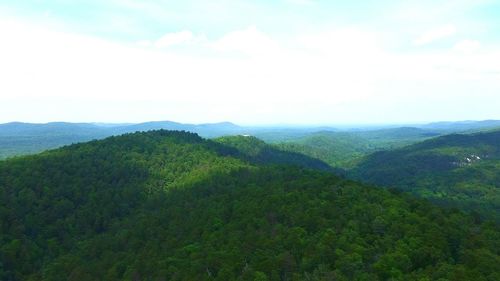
[250,62]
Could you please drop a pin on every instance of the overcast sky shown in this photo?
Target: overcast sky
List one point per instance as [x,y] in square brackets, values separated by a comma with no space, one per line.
[249,62]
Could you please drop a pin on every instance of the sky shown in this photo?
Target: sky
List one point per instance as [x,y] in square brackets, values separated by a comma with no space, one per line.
[249,62]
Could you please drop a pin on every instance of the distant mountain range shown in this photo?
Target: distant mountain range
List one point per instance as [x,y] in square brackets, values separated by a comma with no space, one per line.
[462,125]
[18,138]
[25,138]
[62,128]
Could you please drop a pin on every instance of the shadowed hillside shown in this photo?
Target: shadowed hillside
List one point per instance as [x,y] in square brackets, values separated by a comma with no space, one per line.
[456,170]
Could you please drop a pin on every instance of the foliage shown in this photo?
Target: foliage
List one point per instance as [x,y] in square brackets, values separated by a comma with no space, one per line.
[257,151]
[455,170]
[345,149]
[172,206]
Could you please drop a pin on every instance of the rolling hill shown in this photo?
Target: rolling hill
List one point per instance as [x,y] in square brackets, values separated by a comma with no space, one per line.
[345,149]
[24,138]
[461,170]
[169,205]
[337,147]
[260,152]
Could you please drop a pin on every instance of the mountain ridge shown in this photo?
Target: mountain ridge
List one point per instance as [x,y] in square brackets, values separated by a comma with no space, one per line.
[18,138]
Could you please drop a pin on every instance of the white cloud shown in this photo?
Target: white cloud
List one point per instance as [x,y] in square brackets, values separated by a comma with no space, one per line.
[302,2]
[181,38]
[315,78]
[176,38]
[144,43]
[467,46]
[249,41]
[344,42]
[435,34]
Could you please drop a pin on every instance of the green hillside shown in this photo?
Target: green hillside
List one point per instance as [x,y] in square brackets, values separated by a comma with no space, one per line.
[456,170]
[172,206]
[258,151]
[345,149]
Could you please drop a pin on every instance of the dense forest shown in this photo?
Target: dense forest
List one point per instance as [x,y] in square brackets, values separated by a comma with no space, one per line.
[257,151]
[166,205]
[455,170]
[345,149]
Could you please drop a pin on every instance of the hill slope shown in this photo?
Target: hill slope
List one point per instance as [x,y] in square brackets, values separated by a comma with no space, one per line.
[260,152]
[345,149]
[458,170]
[172,206]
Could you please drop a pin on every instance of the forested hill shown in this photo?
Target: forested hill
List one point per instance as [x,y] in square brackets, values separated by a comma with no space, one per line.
[345,149]
[257,151]
[18,138]
[457,170]
[172,206]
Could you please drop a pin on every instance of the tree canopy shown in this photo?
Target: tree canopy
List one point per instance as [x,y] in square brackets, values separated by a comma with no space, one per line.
[169,205]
